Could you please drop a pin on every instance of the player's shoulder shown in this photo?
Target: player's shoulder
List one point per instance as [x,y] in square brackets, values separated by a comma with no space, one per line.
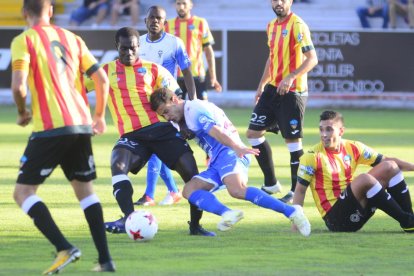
[297,20]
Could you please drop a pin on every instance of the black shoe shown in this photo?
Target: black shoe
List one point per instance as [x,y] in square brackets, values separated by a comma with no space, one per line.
[105,267]
[116,227]
[409,226]
[145,201]
[287,198]
[200,231]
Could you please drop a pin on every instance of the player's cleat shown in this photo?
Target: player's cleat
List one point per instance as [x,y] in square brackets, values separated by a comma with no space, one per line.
[171,198]
[63,258]
[145,201]
[288,197]
[200,231]
[301,222]
[409,226]
[105,267]
[116,227]
[228,219]
[277,188]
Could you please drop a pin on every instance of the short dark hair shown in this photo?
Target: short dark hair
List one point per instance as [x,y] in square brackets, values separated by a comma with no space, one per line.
[331,115]
[126,32]
[155,7]
[35,7]
[160,96]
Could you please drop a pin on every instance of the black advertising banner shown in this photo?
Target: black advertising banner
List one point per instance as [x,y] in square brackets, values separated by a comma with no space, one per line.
[348,61]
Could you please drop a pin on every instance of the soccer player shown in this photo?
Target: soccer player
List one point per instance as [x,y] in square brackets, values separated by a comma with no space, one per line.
[282,93]
[197,37]
[345,201]
[169,51]
[229,161]
[142,131]
[52,61]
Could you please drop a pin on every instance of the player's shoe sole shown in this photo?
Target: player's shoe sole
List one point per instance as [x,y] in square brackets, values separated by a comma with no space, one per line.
[288,197]
[228,219]
[277,188]
[62,259]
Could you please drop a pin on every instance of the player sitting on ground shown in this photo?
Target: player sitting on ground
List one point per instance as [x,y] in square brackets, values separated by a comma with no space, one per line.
[346,202]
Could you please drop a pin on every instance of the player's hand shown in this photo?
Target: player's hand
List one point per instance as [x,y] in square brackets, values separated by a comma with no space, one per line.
[24,118]
[242,151]
[216,85]
[98,125]
[259,92]
[285,85]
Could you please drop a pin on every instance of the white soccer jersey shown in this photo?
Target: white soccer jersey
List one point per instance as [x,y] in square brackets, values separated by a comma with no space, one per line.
[168,51]
[200,116]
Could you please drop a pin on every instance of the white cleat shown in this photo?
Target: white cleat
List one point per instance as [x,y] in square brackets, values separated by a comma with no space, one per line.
[228,219]
[277,188]
[301,222]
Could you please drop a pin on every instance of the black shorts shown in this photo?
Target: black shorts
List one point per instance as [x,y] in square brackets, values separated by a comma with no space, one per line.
[42,154]
[201,88]
[162,139]
[274,111]
[347,215]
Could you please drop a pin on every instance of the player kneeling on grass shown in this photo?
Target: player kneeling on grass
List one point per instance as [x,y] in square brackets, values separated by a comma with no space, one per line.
[346,202]
[229,161]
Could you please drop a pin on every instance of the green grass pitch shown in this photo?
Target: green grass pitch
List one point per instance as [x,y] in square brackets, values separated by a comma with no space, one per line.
[261,244]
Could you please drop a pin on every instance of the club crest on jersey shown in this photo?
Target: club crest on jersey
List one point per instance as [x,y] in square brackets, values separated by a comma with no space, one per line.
[191,27]
[165,82]
[284,33]
[293,123]
[160,52]
[142,71]
[347,159]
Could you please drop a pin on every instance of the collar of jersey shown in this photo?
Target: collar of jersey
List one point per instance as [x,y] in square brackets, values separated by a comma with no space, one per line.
[156,41]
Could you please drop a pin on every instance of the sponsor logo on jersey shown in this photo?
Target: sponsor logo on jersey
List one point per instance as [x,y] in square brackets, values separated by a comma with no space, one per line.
[367,154]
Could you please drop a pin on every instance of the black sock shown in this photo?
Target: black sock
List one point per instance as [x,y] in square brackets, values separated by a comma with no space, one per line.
[294,165]
[45,223]
[123,193]
[401,194]
[265,161]
[195,215]
[94,217]
[384,201]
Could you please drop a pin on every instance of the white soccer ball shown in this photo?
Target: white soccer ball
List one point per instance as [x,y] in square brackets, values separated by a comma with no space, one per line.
[141,226]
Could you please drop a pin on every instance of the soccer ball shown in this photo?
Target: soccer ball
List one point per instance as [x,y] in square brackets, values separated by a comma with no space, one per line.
[141,226]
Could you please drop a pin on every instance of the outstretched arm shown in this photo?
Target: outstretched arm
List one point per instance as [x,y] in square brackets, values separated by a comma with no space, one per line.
[403,165]
[226,140]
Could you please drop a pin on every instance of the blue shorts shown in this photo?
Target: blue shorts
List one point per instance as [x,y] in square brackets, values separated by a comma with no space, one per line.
[83,13]
[225,163]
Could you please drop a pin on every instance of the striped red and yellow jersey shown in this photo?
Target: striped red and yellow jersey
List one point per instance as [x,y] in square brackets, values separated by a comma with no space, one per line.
[130,90]
[55,60]
[288,41]
[196,34]
[329,172]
